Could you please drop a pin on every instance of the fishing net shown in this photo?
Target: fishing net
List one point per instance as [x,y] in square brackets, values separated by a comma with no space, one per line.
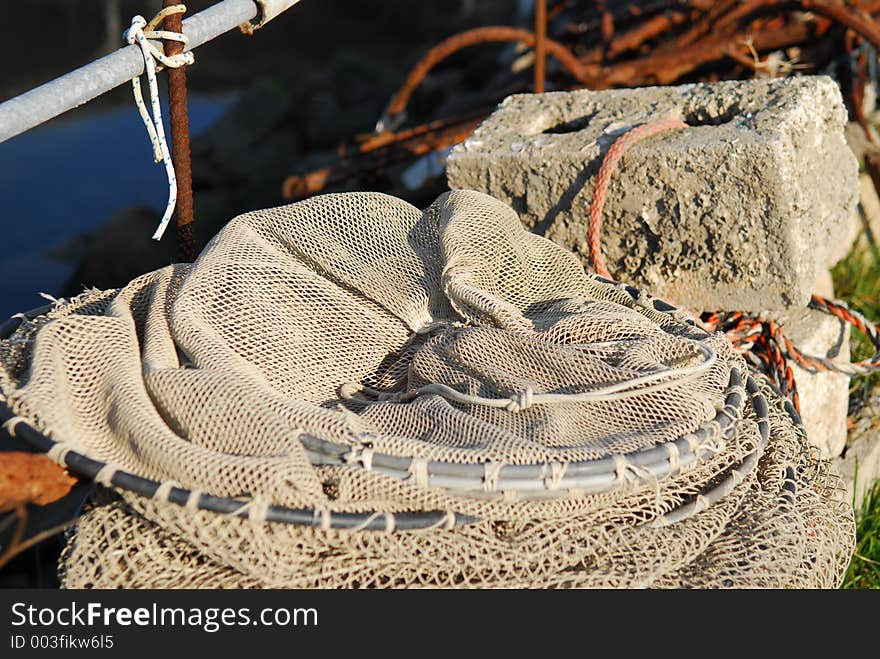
[351,392]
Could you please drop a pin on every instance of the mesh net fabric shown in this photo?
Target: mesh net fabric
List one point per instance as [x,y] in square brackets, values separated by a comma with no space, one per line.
[353,355]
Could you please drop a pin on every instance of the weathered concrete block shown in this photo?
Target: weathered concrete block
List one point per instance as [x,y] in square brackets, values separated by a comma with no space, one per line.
[739,211]
[824,396]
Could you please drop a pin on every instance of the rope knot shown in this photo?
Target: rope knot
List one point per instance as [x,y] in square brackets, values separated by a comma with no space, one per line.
[137,35]
[491,472]
[521,401]
[557,473]
[138,23]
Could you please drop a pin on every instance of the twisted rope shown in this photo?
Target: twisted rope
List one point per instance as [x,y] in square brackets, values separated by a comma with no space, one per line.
[138,34]
[603,179]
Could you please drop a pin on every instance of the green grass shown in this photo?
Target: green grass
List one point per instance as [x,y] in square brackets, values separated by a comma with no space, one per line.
[857,281]
[864,568]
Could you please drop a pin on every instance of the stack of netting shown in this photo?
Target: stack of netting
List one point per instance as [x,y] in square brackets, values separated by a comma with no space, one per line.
[350,392]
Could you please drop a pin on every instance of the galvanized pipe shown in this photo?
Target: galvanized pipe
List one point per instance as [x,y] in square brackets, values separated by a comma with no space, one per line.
[47,101]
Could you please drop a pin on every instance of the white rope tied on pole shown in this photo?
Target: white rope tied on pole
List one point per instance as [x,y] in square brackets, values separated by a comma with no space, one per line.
[138,34]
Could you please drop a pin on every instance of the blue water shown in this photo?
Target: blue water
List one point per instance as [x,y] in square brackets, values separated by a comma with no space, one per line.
[69,176]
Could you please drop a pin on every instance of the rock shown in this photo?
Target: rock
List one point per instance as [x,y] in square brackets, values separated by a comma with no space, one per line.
[824,396]
[860,463]
[741,211]
[869,213]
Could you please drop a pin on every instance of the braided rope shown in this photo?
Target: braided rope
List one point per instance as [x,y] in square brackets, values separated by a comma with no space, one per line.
[762,341]
[764,346]
[870,330]
[138,34]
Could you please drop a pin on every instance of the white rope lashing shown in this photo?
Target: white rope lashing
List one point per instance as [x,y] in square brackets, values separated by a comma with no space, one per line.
[138,34]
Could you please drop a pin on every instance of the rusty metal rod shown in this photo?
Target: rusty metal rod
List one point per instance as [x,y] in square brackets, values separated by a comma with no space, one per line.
[664,69]
[540,44]
[387,149]
[650,29]
[479,35]
[859,22]
[180,150]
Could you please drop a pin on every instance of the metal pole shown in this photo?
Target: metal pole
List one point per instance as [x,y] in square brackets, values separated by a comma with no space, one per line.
[540,44]
[180,152]
[32,108]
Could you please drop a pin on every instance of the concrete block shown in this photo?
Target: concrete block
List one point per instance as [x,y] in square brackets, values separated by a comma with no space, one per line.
[824,395]
[741,211]
[824,285]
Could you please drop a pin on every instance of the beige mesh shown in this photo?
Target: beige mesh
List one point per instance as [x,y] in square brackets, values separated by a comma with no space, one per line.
[447,399]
